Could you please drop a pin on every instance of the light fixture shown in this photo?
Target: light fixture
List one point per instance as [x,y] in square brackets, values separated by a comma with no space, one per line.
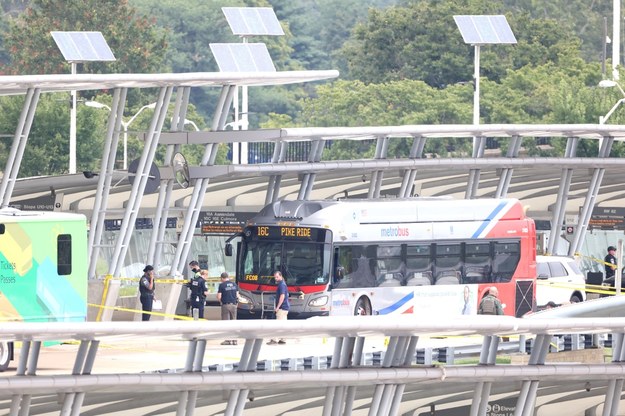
[125,124]
[608,83]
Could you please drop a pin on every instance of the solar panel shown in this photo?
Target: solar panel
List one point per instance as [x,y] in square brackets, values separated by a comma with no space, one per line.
[83,46]
[247,21]
[481,30]
[242,57]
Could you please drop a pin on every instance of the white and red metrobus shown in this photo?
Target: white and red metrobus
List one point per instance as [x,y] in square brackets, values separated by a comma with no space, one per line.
[374,257]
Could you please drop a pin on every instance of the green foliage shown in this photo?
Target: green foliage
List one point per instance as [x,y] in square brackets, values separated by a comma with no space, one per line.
[582,18]
[353,103]
[198,24]
[319,28]
[47,150]
[135,145]
[417,41]
[192,27]
[420,40]
[137,44]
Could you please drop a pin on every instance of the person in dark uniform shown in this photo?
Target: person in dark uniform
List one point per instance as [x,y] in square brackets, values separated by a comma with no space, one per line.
[194,266]
[282,303]
[146,291]
[199,290]
[228,296]
[610,263]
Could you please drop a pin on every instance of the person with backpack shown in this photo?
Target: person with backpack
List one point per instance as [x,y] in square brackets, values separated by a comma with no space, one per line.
[490,304]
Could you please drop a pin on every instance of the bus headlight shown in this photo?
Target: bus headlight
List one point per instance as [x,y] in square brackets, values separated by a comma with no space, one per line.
[244,300]
[320,301]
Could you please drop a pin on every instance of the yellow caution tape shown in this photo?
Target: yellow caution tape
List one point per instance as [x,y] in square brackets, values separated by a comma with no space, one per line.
[107,282]
[600,261]
[601,289]
[117,308]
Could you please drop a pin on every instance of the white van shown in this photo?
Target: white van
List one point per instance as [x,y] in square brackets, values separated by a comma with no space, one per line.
[560,280]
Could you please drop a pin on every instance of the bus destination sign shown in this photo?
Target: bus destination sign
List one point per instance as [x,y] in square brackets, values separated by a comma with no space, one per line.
[286,233]
[223,223]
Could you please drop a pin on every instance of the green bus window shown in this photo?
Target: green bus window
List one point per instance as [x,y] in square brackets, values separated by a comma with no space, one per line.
[64,254]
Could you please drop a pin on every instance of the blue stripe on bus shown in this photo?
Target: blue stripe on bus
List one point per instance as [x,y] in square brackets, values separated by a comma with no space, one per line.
[489,219]
[397,304]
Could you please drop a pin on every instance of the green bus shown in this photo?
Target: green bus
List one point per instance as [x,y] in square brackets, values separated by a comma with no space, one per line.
[43,269]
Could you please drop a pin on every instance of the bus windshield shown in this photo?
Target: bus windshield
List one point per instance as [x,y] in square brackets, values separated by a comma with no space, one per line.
[300,263]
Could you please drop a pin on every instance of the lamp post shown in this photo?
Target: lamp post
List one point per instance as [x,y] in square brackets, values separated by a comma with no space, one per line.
[78,47]
[192,123]
[124,124]
[188,122]
[607,83]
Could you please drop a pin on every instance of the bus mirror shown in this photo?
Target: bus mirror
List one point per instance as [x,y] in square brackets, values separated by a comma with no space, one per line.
[340,273]
[228,249]
[181,170]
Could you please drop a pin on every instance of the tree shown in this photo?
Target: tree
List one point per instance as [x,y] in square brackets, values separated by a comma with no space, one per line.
[137,44]
[319,28]
[47,152]
[353,103]
[582,18]
[417,41]
[421,41]
[198,24]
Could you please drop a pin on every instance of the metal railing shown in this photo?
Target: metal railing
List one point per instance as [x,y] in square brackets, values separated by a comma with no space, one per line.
[347,367]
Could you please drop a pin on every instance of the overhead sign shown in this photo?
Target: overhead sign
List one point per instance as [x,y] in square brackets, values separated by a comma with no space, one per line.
[223,222]
[51,202]
[606,218]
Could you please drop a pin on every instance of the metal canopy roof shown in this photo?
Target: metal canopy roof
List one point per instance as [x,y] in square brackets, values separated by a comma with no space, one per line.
[586,131]
[535,185]
[19,84]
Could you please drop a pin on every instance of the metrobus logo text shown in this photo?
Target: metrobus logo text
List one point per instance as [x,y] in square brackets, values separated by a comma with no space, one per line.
[394,232]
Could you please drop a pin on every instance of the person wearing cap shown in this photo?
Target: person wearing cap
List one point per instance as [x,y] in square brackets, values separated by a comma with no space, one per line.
[195,268]
[146,291]
[228,296]
[610,263]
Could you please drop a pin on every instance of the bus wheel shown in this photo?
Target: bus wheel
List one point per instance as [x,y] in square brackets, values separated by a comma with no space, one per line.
[363,307]
[5,356]
[576,299]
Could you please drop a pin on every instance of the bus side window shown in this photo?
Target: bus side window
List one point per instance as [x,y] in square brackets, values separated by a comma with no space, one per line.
[448,264]
[507,256]
[476,263]
[418,265]
[64,254]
